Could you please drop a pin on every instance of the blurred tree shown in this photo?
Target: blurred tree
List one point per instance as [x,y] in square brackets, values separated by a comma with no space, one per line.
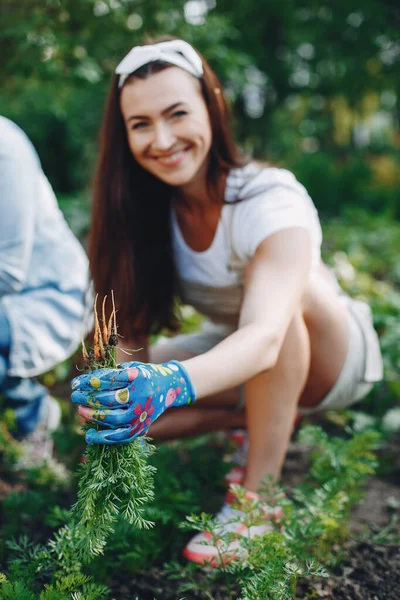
[58,57]
[320,51]
[304,77]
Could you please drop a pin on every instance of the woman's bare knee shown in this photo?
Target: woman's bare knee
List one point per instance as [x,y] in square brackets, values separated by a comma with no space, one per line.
[294,357]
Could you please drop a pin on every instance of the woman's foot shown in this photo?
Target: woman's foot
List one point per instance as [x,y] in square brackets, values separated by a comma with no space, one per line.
[210,549]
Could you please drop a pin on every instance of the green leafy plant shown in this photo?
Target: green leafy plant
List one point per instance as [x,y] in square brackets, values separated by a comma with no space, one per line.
[114,480]
[10,449]
[315,520]
[189,475]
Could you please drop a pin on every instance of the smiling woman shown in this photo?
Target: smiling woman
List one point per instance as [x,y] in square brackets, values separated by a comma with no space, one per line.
[165,135]
[168,126]
[178,212]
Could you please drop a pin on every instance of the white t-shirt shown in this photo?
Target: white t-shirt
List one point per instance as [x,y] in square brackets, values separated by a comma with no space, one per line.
[271,200]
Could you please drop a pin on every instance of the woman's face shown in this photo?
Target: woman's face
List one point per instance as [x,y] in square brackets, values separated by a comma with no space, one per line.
[168,125]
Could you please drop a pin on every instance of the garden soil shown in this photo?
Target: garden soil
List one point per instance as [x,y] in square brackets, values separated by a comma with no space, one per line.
[369,569]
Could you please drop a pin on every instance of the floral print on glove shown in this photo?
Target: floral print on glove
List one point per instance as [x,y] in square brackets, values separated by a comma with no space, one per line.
[127,400]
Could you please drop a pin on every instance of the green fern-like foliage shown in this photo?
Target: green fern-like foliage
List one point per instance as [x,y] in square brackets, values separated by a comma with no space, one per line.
[315,520]
[114,480]
[49,593]
[15,591]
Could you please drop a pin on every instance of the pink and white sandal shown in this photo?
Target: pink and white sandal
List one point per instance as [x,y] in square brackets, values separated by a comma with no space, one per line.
[210,550]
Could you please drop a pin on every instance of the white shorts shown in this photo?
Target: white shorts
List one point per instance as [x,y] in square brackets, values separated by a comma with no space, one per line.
[362,367]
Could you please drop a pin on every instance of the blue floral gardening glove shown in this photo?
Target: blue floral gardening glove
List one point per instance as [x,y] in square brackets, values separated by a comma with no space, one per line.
[127,400]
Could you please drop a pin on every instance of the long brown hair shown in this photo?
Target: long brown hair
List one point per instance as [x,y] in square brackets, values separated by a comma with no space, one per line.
[130,251]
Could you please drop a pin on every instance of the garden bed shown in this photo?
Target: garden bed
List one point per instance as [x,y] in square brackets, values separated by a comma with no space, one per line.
[147,565]
[369,570]
[369,561]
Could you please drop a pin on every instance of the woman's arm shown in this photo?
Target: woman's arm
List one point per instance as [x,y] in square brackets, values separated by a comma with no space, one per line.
[275,282]
[276,278]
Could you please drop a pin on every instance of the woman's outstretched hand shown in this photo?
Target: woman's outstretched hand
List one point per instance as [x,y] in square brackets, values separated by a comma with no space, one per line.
[127,400]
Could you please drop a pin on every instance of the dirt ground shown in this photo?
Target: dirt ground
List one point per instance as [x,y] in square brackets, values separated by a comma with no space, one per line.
[370,571]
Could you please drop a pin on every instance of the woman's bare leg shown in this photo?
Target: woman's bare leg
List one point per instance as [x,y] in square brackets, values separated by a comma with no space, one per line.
[271,406]
[327,324]
[188,421]
[310,361]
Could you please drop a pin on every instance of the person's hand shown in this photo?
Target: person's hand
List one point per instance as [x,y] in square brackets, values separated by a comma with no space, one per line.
[127,400]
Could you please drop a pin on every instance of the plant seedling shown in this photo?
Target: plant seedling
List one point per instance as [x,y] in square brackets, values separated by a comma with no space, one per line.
[114,480]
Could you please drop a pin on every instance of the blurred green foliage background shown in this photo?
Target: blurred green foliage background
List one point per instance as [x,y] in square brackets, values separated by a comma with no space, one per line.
[314,86]
[312,83]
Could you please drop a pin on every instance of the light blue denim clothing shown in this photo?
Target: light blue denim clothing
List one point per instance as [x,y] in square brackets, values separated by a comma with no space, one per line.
[43,268]
[26,396]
